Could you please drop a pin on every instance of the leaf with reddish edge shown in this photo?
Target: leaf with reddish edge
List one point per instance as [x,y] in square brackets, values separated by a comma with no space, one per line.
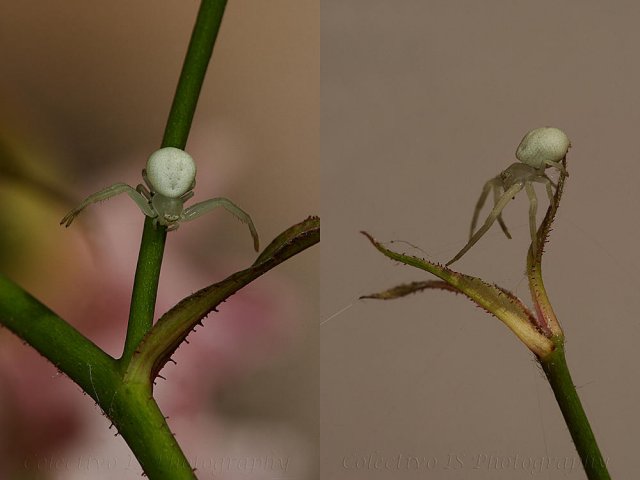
[497,301]
[174,326]
[546,315]
[408,288]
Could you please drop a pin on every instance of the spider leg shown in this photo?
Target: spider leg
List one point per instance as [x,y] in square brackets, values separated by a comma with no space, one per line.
[533,208]
[496,197]
[495,185]
[146,179]
[555,185]
[106,193]
[548,183]
[206,206]
[557,165]
[480,203]
[186,196]
[497,209]
[144,191]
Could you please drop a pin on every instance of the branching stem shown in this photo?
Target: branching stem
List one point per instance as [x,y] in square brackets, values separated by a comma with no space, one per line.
[183,108]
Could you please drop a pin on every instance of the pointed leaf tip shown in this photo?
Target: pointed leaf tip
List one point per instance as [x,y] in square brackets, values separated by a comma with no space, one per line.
[408,288]
[495,300]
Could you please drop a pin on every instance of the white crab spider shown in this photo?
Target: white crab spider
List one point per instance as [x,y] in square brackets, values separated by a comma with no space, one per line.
[540,148]
[170,177]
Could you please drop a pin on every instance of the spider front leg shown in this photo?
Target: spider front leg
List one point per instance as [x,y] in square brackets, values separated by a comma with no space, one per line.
[497,191]
[495,213]
[187,196]
[112,191]
[145,177]
[144,191]
[557,165]
[548,183]
[533,208]
[533,204]
[204,207]
[494,184]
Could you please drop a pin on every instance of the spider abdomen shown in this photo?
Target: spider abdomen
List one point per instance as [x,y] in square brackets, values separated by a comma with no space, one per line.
[542,146]
[171,171]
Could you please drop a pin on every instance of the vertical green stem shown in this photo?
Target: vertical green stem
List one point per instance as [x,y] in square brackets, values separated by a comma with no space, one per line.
[194,69]
[183,108]
[555,367]
[139,420]
[145,287]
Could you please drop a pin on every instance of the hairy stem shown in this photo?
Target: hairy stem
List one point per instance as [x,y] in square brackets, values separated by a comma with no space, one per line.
[133,409]
[138,418]
[130,406]
[183,108]
[557,371]
[176,324]
[65,347]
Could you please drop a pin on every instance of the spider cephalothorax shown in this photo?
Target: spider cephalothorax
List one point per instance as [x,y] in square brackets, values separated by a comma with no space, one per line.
[170,178]
[540,148]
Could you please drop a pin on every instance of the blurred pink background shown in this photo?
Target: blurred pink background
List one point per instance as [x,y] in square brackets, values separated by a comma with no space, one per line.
[86,90]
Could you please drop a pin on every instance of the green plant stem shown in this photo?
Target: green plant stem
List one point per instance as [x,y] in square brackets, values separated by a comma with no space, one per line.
[130,406]
[56,340]
[138,418]
[193,72]
[133,410]
[124,397]
[555,367]
[145,287]
[176,324]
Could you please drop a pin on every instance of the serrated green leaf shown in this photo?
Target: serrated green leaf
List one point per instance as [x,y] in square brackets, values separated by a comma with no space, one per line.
[408,288]
[546,315]
[497,301]
[174,326]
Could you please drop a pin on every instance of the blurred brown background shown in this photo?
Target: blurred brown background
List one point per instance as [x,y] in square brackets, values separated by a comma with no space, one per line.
[85,91]
[422,102]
